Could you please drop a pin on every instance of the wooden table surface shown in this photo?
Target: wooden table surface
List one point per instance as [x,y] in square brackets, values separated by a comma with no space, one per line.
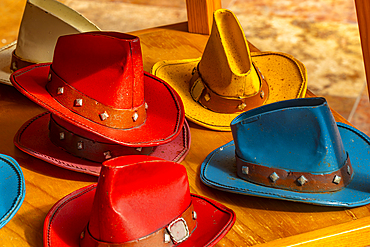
[260,221]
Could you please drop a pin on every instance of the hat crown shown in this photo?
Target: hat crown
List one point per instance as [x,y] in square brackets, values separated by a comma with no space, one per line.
[295,135]
[136,196]
[226,65]
[42,23]
[105,66]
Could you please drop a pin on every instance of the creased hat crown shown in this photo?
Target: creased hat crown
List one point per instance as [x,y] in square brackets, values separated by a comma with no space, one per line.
[297,135]
[136,196]
[226,65]
[42,23]
[107,67]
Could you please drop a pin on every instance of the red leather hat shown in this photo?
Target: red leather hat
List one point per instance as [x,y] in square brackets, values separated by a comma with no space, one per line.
[138,201]
[61,143]
[96,81]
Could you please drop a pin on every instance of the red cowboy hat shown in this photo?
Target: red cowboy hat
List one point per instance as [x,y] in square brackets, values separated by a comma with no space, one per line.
[138,200]
[96,81]
[61,143]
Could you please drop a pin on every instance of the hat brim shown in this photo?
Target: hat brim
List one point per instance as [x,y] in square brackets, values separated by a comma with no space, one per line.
[12,189]
[33,138]
[286,77]
[68,217]
[163,123]
[219,171]
[5,61]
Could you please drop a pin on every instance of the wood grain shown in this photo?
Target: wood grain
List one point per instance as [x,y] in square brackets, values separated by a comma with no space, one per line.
[200,15]
[363,19]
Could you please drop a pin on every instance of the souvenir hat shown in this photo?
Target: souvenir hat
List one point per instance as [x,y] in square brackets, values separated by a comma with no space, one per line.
[42,23]
[293,150]
[12,189]
[138,201]
[228,79]
[60,143]
[96,82]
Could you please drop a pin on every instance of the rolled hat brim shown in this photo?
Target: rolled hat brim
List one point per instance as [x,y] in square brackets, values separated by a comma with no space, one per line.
[68,217]
[218,170]
[12,189]
[285,75]
[5,60]
[33,138]
[165,116]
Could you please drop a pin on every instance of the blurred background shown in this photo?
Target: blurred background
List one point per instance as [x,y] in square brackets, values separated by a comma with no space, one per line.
[323,34]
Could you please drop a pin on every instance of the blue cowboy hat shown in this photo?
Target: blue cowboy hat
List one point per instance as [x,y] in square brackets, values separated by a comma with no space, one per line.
[12,188]
[293,150]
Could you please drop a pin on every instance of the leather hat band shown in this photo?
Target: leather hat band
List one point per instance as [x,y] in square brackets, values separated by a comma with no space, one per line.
[295,181]
[174,233]
[90,149]
[91,109]
[201,93]
[18,63]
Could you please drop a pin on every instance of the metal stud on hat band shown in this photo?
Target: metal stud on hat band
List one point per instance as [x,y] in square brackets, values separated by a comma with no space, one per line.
[176,232]
[298,181]
[91,109]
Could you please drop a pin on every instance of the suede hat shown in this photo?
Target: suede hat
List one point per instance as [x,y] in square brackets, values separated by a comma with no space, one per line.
[60,143]
[12,189]
[138,201]
[293,150]
[96,82]
[228,79]
[42,23]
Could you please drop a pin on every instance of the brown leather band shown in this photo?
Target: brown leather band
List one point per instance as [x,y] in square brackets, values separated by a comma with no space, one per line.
[18,63]
[157,238]
[296,181]
[83,147]
[91,109]
[223,104]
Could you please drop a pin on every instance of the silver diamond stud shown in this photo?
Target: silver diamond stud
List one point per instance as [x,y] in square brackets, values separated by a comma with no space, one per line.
[274,177]
[135,116]
[167,238]
[262,94]
[245,170]
[302,180]
[104,116]
[60,90]
[61,136]
[207,97]
[146,106]
[49,77]
[242,106]
[261,73]
[78,102]
[139,149]
[194,214]
[80,145]
[337,179]
[107,155]
[349,170]
[14,66]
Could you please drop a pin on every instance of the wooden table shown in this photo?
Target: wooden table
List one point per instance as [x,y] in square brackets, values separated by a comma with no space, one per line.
[259,220]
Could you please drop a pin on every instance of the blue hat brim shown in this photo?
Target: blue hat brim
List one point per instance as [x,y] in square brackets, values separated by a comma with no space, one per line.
[12,189]
[218,170]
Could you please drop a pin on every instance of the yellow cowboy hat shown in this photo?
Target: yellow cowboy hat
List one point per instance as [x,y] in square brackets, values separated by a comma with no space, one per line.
[229,79]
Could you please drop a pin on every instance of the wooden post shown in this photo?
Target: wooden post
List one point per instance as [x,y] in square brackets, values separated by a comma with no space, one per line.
[200,15]
[363,19]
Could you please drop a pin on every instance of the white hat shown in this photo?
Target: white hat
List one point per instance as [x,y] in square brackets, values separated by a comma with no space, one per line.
[42,23]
